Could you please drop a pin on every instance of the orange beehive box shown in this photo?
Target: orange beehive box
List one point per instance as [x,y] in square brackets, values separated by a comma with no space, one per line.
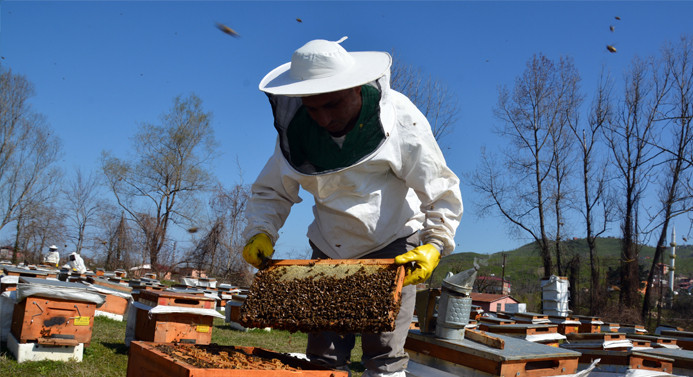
[603,340]
[484,354]
[110,284]
[684,339]
[485,322]
[174,327]
[622,361]
[145,360]
[47,320]
[25,272]
[117,296]
[655,341]
[589,324]
[115,305]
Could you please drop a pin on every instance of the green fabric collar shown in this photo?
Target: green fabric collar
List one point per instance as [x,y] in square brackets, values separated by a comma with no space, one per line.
[308,142]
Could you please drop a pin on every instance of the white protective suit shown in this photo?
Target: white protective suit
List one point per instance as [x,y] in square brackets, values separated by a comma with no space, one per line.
[77,263]
[53,258]
[403,186]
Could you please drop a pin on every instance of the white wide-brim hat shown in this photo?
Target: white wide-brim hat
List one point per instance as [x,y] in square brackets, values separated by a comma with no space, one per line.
[322,66]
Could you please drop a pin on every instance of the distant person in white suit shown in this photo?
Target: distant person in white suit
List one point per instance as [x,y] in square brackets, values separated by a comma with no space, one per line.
[77,263]
[53,257]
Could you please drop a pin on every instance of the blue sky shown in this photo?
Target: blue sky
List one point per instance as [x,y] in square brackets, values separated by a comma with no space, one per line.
[100,68]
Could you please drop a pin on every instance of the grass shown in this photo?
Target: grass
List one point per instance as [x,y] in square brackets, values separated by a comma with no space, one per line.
[107,354]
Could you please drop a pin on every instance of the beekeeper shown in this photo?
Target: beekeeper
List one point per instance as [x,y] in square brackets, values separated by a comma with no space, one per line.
[380,183]
[53,257]
[77,263]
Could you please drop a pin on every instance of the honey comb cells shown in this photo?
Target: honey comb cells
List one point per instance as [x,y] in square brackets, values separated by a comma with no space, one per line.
[340,298]
[213,356]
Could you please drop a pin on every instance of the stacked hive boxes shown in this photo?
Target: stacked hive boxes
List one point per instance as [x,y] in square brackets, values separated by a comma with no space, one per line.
[555,296]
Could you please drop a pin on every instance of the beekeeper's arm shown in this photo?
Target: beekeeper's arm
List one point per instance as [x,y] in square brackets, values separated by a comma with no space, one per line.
[424,170]
[272,195]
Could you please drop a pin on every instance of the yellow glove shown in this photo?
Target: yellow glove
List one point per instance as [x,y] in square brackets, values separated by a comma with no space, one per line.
[258,249]
[425,258]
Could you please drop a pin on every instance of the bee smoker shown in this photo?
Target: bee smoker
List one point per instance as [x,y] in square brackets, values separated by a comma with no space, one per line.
[455,304]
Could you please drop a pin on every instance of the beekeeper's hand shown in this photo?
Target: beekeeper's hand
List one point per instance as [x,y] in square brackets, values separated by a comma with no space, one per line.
[258,249]
[425,258]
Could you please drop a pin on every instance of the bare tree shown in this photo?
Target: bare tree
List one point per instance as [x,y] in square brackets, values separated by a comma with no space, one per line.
[594,182]
[118,242]
[538,104]
[27,151]
[435,100]
[82,205]
[41,223]
[228,207]
[675,197]
[159,187]
[630,136]
[562,153]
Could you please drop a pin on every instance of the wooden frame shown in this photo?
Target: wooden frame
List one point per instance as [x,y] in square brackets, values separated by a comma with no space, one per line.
[289,263]
[146,361]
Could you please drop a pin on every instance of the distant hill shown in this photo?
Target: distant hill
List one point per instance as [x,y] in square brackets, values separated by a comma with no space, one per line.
[524,266]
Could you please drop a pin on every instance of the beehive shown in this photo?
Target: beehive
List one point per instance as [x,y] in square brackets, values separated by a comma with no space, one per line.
[157,360]
[49,319]
[483,354]
[191,327]
[341,295]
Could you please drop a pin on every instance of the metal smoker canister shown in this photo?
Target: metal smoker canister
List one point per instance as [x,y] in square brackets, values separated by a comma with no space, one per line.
[455,304]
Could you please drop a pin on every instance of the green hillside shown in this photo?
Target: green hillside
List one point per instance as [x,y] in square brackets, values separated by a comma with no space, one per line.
[524,268]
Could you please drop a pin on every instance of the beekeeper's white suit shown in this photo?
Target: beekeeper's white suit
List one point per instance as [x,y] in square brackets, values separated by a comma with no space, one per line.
[53,257]
[395,197]
[77,263]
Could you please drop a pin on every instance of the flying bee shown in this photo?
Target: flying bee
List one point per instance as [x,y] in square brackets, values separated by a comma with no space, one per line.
[612,28]
[192,230]
[299,20]
[227,30]
[618,18]
[611,48]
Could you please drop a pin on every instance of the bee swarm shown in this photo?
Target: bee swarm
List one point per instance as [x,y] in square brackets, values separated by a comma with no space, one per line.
[340,298]
[214,356]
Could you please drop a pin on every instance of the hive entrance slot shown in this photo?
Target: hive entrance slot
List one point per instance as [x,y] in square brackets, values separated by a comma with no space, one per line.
[654,364]
[186,301]
[543,364]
